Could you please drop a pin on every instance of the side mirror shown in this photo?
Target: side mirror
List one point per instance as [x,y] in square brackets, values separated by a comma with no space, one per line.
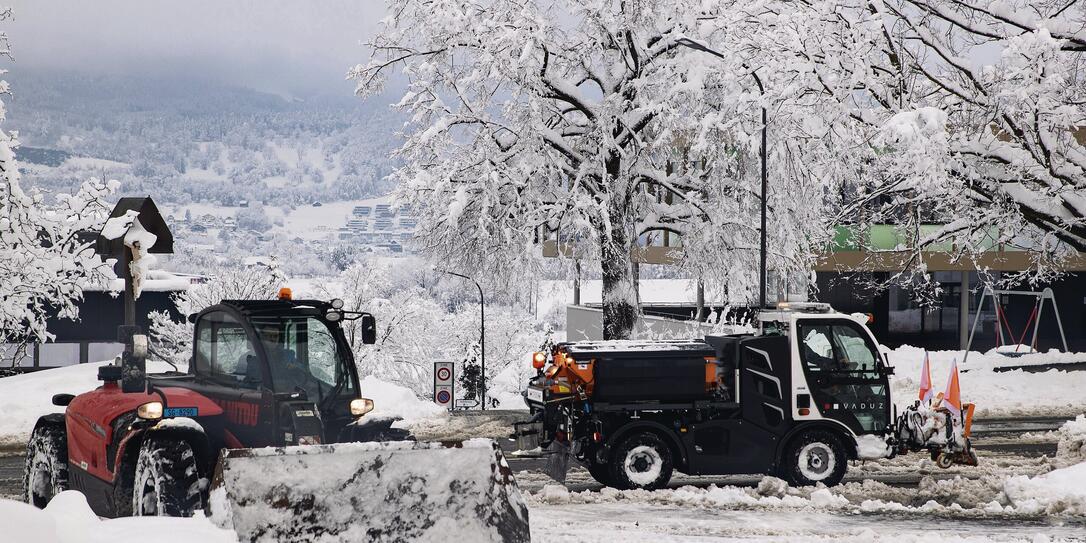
[369,329]
[886,360]
[191,318]
[62,400]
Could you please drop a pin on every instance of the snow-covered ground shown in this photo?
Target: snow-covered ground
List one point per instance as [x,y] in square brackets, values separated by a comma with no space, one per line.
[996,394]
[1009,497]
[68,519]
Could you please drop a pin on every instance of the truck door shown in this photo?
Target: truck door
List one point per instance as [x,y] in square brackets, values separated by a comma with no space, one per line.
[765,382]
[230,372]
[844,373]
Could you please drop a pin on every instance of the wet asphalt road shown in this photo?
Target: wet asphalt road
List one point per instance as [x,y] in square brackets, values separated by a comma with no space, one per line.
[992,437]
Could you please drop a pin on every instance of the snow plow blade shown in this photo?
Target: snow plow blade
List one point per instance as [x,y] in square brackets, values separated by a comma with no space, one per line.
[395,491]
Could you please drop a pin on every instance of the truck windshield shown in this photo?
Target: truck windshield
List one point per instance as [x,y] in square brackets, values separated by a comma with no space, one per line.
[303,353]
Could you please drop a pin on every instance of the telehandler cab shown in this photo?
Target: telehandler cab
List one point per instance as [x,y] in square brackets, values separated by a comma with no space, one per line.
[263,373]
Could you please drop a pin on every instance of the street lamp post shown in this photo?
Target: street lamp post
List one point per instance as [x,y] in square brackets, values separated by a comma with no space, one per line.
[687,42]
[482,338]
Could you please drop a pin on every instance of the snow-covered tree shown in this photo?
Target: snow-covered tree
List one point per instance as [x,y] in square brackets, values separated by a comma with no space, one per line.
[415,327]
[44,261]
[964,114]
[588,120]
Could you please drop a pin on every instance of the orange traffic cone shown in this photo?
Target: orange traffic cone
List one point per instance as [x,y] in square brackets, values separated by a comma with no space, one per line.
[952,399]
[925,380]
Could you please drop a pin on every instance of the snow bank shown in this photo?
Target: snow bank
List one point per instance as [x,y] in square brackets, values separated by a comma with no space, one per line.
[391,400]
[996,394]
[68,519]
[1072,446]
[24,398]
[772,493]
[1058,491]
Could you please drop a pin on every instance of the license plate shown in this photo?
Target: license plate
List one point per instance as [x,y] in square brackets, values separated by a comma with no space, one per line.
[535,395]
[181,412]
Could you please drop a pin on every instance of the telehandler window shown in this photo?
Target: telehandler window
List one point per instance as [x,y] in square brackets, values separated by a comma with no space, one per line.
[303,353]
[224,352]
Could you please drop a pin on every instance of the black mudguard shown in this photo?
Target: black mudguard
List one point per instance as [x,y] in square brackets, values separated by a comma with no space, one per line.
[557,455]
[375,429]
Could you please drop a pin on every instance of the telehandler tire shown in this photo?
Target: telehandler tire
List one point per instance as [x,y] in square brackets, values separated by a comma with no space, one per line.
[642,461]
[167,482]
[812,457]
[46,473]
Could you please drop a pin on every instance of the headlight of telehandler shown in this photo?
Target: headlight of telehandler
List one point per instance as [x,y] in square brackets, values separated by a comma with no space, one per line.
[361,406]
[150,411]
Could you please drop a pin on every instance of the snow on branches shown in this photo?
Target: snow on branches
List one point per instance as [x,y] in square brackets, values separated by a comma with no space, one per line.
[976,112]
[601,123]
[44,261]
[172,340]
[587,122]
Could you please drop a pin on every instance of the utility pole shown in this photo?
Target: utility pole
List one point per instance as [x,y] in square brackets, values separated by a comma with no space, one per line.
[482,337]
[687,42]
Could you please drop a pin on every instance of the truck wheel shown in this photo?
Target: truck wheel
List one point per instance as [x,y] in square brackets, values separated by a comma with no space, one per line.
[643,461]
[46,472]
[167,482]
[814,457]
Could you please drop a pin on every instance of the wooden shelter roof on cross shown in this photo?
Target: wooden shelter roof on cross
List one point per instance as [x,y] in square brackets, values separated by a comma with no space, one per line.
[110,241]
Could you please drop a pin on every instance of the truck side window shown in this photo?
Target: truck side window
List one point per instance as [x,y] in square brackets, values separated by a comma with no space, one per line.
[817,347]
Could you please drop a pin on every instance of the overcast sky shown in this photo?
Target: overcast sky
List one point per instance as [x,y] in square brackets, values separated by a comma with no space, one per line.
[290,47]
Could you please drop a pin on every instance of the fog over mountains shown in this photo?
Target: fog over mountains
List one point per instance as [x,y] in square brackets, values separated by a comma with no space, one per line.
[202,102]
[189,140]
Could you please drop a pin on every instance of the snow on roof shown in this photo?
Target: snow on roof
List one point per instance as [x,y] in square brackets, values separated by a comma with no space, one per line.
[154,281]
[656,292]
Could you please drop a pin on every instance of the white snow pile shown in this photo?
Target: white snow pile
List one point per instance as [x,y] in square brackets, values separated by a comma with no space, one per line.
[771,493]
[1061,491]
[996,394]
[1072,445]
[871,447]
[68,519]
[391,400]
[397,491]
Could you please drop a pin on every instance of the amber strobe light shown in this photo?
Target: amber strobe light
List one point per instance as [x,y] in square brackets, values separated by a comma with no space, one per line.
[285,294]
[539,360]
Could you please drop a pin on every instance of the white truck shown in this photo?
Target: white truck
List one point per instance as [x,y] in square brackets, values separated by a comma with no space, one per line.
[799,399]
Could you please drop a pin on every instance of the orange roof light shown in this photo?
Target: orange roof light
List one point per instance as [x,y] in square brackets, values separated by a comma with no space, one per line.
[539,360]
[285,293]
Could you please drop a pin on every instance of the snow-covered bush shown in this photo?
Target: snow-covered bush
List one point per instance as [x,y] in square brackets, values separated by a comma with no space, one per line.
[418,324]
[172,339]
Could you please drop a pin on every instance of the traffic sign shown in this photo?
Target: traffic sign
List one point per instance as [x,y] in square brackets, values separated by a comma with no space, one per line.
[444,384]
[466,404]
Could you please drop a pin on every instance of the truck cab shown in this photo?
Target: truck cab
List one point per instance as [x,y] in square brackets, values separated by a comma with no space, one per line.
[792,400]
